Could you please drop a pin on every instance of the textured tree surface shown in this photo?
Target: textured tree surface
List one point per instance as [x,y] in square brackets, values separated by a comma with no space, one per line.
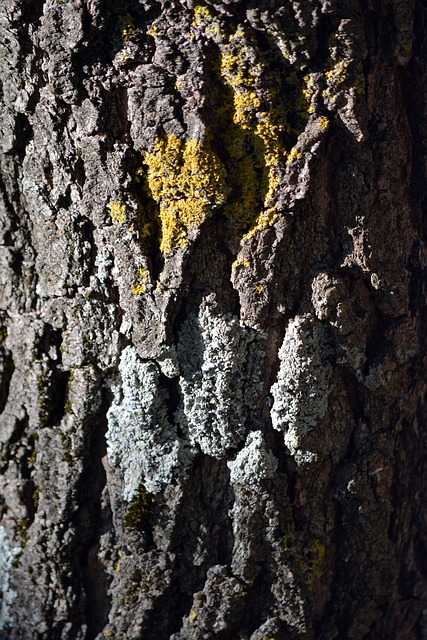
[213,319]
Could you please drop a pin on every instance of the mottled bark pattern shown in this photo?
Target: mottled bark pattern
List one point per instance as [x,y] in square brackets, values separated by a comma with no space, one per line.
[212,319]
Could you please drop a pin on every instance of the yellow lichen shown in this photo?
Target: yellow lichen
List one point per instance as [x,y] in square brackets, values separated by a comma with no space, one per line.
[335,78]
[118,564]
[337,74]
[124,58]
[319,553]
[153,31]
[265,219]
[186,180]
[309,560]
[118,212]
[256,125]
[140,286]
[324,122]
[129,30]
[293,155]
[241,262]
[202,16]
[145,230]
[308,90]
[252,120]
[139,174]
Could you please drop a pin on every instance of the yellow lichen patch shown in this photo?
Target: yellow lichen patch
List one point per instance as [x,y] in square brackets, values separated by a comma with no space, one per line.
[241,262]
[202,16]
[264,220]
[118,212]
[244,175]
[129,30]
[307,95]
[337,74]
[319,553]
[139,174]
[244,104]
[253,137]
[187,180]
[308,89]
[153,31]
[145,230]
[203,19]
[335,78]
[140,286]
[251,120]
[324,122]
[293,155]
[139,289]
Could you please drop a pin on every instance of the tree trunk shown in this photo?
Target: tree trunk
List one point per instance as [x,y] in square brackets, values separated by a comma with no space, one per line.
[213,319]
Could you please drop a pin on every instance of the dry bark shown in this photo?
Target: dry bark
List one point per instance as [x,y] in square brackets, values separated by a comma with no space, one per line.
[213,341]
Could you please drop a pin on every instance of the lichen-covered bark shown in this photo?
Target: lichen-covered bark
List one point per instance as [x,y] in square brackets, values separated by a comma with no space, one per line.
[212,319]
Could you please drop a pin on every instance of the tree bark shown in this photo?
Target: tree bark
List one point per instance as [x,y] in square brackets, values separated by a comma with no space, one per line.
[213,319]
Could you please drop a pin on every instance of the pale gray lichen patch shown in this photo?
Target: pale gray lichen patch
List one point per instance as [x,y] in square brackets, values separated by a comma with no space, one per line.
[216,367]
[254,462]
[7,595]
[140,438]
[219,360]
[303,383]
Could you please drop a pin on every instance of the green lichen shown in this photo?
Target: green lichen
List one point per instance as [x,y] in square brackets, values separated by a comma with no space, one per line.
[36,496]
[139,510]
[21,526]
[307,560]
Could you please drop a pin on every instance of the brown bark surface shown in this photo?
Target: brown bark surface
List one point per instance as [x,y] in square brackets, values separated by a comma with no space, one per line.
[213,319]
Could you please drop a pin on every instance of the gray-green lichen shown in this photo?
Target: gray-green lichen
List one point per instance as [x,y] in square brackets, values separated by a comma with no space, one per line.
[7,595]
[220,379]
[140,437]
[303,383]
[254,462]
[217,382]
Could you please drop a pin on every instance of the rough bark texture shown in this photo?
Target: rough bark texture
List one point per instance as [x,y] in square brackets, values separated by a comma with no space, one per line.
[213,341]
